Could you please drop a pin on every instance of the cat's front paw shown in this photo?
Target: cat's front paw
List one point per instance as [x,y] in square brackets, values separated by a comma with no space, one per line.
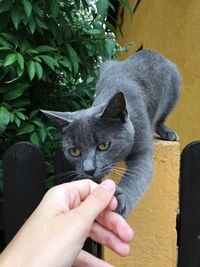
[122,207]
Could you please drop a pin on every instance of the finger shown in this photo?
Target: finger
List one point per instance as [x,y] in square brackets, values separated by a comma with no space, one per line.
[113,204]
[117,224]
[67,196]
[105,237]
[96,202]
[86,259]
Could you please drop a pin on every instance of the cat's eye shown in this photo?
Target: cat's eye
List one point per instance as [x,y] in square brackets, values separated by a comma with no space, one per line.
[75,152]
[103,146]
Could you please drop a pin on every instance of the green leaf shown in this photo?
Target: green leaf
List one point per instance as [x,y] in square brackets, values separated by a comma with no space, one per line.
[25,128]
[19,74]
[32,25]
[102,8]
[85,4]
[20,60]
[20,103]
[66,63]
[55,8]
[5,49]
[93,31]
[45,48]
[73,58]
[27,7]
[36,58]
[35,139]
[25,45]
[11,38]
[38,122]
[12,117]
[110,27]
[41,24]
[51,62]
[33,113]
[127,4]
[90,79]
[37,9]
[16,16]
[5,5]
[4,43]
[42,133]
[10,59]
[17,121]
[110,46]
[38,70]
[16,91]
[77,2]
[4,89]
[20,115]
[91,48]
[31,69]
[31,51]
[20,71]
[4,119]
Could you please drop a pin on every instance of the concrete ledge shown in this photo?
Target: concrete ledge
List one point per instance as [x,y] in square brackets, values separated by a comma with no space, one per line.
[154,218]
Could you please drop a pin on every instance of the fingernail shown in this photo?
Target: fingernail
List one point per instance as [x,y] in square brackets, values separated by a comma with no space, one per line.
[108,185]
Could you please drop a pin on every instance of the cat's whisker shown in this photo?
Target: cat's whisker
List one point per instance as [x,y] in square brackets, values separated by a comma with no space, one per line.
[65,176]
[78,174]
[119,168]
[126,172]
[64,173]
[125,177]
[76,179]
[123,172]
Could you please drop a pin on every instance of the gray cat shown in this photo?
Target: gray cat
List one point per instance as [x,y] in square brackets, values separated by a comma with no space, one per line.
[133,98]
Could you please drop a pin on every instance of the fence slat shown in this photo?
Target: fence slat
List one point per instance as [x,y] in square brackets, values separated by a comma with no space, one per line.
[189,226]
[24,174]
[62,168]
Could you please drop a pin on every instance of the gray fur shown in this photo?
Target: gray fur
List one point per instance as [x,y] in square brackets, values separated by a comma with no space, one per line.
[133,98]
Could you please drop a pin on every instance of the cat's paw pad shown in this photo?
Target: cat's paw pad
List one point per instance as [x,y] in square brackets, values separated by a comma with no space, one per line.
[169,135]
[121,199]
[166,133]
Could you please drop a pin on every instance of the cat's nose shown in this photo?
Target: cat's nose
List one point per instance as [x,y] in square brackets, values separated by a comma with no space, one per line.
[90,172]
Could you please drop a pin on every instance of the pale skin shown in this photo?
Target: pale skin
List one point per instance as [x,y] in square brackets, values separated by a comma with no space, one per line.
[54,234]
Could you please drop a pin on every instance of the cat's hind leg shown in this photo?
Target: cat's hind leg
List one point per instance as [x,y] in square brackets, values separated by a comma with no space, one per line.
[165,109]
[165,133]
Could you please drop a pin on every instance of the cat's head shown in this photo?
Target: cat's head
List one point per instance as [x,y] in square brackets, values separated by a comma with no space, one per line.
[95,138]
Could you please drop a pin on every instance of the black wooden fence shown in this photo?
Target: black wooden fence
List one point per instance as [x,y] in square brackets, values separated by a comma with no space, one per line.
[189,222]
[24,186]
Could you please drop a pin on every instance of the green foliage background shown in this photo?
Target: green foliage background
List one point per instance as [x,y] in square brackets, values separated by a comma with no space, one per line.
[50,53]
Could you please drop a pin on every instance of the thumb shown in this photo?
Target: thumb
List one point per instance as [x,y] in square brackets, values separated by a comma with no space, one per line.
[97,201]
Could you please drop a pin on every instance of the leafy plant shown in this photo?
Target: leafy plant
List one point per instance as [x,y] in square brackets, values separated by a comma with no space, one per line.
[50,53]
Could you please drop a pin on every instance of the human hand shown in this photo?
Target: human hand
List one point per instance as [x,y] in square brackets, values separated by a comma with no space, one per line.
[54,234]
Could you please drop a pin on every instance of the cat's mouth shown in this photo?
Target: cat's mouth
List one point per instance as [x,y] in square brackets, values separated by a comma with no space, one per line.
[99,176]
[97,179]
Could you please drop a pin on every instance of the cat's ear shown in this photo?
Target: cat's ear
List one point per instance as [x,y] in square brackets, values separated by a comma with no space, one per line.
[61,119]
[116,108]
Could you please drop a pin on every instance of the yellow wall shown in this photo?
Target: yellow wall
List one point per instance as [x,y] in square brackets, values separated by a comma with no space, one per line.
[172,27]
[154,218]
